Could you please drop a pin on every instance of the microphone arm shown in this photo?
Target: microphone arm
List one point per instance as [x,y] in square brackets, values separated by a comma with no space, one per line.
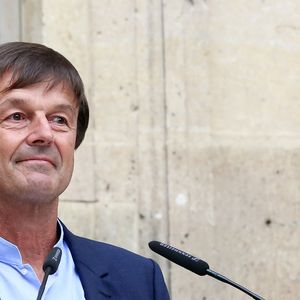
[195,265]
[50,266]
[232,283]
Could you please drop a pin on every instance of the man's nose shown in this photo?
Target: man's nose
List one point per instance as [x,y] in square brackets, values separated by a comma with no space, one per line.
[40,132]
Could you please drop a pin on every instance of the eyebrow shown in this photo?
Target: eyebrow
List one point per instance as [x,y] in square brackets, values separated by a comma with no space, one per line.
[12,101]
[9,102]
[65,107]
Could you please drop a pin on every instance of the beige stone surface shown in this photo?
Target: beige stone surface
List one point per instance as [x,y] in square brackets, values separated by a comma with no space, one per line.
[116,223]
[31,29]
[82,186]
[80,217]
[130,124]
[230,90]
[242,227]
[194,136]
[9,21]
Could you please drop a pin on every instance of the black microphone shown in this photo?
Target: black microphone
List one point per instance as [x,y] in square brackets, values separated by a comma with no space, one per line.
[194,264]
[50,266]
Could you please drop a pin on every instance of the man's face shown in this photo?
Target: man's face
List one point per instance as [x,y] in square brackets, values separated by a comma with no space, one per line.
[37,140]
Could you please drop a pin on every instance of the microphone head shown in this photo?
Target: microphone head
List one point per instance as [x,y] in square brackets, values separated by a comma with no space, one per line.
[52,260]
[180,257]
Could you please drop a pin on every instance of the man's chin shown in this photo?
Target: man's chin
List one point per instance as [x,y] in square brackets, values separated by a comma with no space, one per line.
[41,190]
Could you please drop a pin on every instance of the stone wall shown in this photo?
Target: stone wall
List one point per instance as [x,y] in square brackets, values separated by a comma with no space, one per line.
[194,136]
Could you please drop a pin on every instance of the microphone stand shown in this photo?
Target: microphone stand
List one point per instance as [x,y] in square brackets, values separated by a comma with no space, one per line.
[43,285]
[232,283]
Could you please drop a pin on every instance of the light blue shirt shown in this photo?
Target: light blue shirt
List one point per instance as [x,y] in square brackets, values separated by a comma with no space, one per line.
[19,281]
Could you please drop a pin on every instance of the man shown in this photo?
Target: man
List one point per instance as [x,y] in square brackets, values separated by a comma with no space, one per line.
[43,118]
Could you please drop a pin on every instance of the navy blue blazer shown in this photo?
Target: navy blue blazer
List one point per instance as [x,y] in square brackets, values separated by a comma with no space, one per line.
[109,272]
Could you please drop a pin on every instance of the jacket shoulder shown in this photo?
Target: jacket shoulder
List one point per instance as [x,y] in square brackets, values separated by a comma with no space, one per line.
[119,268]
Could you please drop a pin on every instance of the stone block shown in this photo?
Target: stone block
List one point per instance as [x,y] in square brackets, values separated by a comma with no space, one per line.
[82,186]
[116,223]
[237,215]
[78,217]
[9,21]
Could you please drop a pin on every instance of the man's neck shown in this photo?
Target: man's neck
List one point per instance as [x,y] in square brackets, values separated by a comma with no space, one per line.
[32,228]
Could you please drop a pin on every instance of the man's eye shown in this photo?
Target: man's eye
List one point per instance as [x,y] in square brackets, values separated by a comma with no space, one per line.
[16,117]
[59,120]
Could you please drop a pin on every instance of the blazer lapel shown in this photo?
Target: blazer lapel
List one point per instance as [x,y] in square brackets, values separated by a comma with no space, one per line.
[94,285]
[94,275]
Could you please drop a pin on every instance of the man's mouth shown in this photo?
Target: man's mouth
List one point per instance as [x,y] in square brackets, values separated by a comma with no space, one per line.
[37,160]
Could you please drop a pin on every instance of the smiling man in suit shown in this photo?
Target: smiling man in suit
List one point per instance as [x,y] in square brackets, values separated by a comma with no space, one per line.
[43,118]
